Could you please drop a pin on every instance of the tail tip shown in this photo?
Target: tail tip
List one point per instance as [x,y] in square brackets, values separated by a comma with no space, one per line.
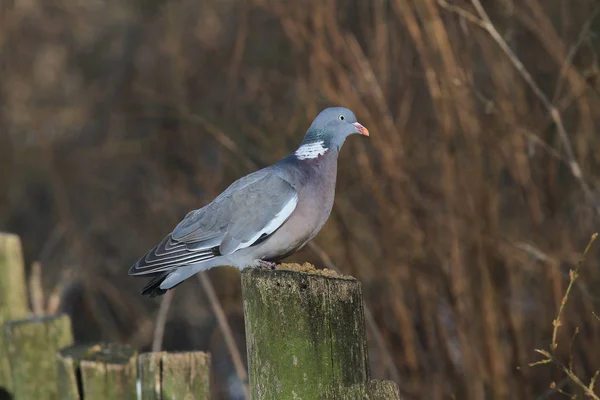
[153,289]
[154,292]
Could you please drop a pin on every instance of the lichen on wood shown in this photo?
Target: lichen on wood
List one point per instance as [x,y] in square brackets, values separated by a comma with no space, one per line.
[31,345]
[305,334]
[309,268]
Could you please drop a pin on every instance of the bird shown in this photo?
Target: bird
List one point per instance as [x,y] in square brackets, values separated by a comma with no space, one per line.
[259,219]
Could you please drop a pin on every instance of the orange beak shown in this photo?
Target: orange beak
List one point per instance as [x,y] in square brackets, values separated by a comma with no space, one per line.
[361,129]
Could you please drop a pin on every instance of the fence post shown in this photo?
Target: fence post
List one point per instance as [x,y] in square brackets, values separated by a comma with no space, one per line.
[108,372]
[69,373]
[184,375]
[305,335]
[13,295]
[31,345]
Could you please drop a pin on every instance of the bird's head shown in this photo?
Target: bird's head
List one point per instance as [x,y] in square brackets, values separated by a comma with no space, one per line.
[329,130]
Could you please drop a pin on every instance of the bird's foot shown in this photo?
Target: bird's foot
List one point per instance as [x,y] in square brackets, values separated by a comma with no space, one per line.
[263,264]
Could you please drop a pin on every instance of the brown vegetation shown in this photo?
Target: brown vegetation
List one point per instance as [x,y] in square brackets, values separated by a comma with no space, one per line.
[461,216]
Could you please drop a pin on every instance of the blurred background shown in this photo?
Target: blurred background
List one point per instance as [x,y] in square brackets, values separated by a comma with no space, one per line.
[461,215]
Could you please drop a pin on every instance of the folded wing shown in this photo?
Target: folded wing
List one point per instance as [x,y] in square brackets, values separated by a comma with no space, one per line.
[247,212]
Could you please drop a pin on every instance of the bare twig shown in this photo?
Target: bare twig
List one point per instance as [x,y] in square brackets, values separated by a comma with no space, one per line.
[236,358]
[556,117]
[554,387]
[573,274]
[583,33]
[469,16]
[36,291]
[53,303]
[536,253]
[485,22]
[593,380]
[550,356]
[549,149]
[571,348]
[161,320]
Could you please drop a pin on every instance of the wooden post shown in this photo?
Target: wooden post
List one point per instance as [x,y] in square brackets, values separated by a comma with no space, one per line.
[305,333]
[184,375]
[13,296]
[107,372]
[31,345]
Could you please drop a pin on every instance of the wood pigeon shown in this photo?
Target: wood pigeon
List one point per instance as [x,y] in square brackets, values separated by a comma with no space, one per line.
[262,217]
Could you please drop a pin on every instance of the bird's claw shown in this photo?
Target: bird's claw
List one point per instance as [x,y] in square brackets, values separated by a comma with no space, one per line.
[263,264]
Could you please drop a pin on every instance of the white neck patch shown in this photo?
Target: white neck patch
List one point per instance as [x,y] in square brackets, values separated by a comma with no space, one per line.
[311,150]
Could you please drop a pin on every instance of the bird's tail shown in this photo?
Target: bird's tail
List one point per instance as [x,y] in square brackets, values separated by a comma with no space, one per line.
[152,288]
[170,279]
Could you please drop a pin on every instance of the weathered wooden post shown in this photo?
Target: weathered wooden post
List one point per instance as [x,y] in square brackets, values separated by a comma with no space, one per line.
[184,375]
[13,296]
[69,373]
[31,345]
[108,371]
[305,335]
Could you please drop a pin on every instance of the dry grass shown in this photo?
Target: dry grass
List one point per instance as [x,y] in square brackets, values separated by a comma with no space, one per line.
[589,390]
[462,215]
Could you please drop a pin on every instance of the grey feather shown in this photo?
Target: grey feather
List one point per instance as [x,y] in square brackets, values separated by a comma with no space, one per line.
[249,208]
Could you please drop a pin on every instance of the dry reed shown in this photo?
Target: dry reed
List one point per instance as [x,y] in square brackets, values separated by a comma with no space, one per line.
[462,215]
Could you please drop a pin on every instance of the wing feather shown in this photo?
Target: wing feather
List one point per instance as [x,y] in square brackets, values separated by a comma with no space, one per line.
[249,210]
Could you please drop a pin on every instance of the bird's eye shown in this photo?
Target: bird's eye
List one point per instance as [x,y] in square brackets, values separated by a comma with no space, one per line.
[341,117]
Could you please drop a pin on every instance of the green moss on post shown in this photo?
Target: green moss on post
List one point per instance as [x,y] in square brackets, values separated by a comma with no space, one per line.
[31,345]
[184,375]
[305,334]
[13,295]
[109,372]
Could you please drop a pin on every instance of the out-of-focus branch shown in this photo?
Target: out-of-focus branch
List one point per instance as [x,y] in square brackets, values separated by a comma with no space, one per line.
[240,369]
[574,274]
[36,291]
[161,320]
[550,356]
[583,33]
[484,21]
